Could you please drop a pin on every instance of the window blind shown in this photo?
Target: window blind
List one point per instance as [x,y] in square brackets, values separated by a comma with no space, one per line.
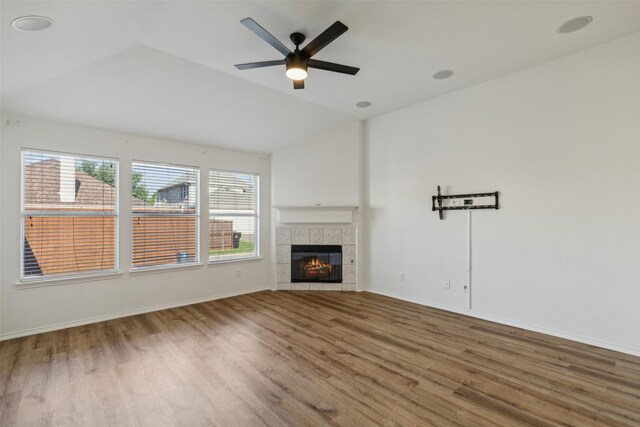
[233,215]
[69,214]
[165,212]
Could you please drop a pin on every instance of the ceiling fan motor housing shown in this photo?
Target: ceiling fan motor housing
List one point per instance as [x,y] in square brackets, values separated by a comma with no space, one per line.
[296,60]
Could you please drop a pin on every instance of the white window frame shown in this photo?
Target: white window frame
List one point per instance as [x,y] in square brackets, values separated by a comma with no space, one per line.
[256,216]
[24,214]
[196,262]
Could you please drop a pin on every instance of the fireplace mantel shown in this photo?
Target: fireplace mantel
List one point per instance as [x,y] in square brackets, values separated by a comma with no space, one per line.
[315,214]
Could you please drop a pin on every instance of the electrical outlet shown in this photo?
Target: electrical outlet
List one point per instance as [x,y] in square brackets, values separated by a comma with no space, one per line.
[401,276]
[238,272]
[447,284]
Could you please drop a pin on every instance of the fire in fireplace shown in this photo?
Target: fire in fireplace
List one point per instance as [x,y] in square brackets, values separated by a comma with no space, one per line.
[316,263]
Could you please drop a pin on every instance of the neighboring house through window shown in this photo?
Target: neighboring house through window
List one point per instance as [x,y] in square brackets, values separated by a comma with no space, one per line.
[233,215]
[165,215]
[177,193]
[69,215]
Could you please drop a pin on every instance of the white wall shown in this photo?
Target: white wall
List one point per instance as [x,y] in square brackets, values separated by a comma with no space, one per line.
[323,170]
[32,309]
[561,142]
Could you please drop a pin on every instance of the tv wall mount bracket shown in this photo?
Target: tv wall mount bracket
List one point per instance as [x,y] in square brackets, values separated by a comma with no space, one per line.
[438,204]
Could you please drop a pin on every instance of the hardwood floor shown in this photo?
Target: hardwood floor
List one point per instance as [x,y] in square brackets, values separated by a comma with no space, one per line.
[312,358]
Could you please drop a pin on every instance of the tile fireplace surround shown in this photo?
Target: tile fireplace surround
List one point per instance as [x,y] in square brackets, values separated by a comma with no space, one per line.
[287,236]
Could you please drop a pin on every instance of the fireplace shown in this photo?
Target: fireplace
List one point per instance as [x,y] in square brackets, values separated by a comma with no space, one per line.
[316,263]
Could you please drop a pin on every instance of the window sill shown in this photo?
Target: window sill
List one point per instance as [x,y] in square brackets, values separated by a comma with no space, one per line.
[55,281]
[161,268]
[233,260]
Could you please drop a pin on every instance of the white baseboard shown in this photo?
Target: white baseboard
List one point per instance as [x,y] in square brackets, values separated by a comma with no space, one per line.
[64,325]
[491,318]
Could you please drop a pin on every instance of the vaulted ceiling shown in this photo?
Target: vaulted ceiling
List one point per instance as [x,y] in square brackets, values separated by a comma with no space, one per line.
[165,68]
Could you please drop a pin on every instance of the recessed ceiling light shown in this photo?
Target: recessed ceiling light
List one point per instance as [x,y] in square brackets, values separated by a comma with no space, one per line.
[443,74]
[575,24]
[363,104]
[32,23]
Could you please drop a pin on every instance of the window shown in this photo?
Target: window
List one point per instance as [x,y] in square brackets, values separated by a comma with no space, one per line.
[165,215]
[69,215]
[233,215]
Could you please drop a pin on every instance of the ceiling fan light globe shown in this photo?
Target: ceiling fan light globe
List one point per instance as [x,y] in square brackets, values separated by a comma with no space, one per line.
[296,73]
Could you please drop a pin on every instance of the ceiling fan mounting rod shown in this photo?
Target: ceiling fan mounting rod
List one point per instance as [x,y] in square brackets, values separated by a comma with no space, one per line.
[297,39]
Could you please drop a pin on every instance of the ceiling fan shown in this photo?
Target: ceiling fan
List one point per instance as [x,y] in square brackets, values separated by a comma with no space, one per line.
[298,61]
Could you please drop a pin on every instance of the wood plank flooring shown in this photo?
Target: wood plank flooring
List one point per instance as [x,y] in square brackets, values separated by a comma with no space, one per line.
[309,359]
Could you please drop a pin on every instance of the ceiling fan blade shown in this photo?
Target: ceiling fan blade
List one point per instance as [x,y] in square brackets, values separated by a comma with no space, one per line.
[298,84]
[330,66]
[250,65]
[265,35]
[327,36]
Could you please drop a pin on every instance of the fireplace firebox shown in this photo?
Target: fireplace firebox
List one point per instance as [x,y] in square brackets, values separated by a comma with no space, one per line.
[316,263]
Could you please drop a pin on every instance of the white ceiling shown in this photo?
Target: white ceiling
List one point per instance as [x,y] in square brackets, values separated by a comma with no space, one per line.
[165,68]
